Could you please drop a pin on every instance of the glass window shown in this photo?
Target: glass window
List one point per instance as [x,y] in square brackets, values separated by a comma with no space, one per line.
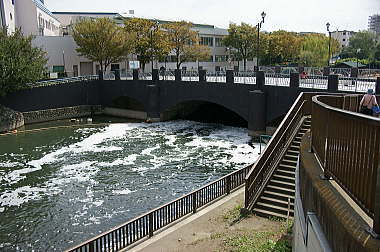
[218,42]
[207,41]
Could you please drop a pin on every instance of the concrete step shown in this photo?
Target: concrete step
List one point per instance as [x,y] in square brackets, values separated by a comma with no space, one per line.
[265,212]
[291,157]
[282,190]
[286,173]
[282,202]
[282,183]
[275,208]
[288,179]
[287,167]
[289,162]
[278,195]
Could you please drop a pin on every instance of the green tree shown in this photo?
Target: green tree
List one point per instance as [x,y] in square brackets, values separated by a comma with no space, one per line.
[184,43]
[243,38]
[101,40]
[362,45]
[314,50]
[20,62]
[150,41]
[281,47]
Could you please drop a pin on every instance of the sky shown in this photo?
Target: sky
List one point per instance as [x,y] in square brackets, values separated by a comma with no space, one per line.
[290,15]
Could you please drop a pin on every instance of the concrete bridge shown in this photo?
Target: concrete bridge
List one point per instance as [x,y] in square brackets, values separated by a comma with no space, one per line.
[158,100]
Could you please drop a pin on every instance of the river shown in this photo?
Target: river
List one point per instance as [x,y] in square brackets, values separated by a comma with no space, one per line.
[59,187]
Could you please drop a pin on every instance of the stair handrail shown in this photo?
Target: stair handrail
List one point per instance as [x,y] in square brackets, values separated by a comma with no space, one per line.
[264,167]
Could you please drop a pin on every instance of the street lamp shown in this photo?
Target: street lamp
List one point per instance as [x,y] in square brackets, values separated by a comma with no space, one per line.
[357,58]
[328,30]
[263,14]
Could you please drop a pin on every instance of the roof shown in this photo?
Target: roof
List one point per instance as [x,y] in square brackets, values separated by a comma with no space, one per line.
[84,13]
[42,7]
[351,64]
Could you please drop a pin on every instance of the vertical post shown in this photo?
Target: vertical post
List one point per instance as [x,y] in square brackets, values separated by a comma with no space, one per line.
[135,74]
[100,74]
[333,82]
[202,75]
[230,77]
[117,74]
[228,185]
[257,112]
[294,80]
[91,246]
[194,202]
[326,71]
[177,73]
[377,86]
[150,224]
[328,63]
[354,72]
[326,160]
[376,219]
[155,76]
[260,79]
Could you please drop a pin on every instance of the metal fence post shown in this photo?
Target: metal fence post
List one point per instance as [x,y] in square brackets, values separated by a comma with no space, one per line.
[228,185]
[194,202]
[91,246]
[150,224]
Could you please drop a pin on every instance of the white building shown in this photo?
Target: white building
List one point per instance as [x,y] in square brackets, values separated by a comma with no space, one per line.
[7,15]
[35,19]
[343,37]
[374,23]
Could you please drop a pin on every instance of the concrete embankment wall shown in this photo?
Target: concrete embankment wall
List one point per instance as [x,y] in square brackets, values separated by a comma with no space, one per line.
[10,119]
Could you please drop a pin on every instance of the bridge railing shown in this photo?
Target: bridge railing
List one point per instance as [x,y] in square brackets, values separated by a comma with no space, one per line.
[355,84]
[266,164]
[216,76]
[277,79]
[313,81]
[347,145]
[190,75]
[245,77]
[63,80]
[144,226]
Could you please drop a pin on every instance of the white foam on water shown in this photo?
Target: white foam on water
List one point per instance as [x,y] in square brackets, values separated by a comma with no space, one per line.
[9,164]
[122,191]
[121,161]
[21,195]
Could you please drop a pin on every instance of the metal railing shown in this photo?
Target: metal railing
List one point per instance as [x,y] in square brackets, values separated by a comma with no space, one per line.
[276,79]
[190,75]
[342,72]
[63,80]
[314,82]
[347,145]
[354,84]
[245,77]
[167,75]
[144,226]
[266,164]
[369,73]
[218,76]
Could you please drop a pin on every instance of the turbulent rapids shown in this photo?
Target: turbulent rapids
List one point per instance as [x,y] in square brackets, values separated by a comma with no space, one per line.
[59,187]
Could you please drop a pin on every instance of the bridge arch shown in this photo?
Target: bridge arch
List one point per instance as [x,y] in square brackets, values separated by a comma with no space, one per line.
[205,111]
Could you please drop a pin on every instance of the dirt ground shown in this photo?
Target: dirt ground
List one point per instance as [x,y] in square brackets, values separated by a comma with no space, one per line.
[223,228]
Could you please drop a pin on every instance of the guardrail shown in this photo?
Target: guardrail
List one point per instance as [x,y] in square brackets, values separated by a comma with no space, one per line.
[245,77]
[266,164]
[314,82]
[144,226]
[276,79]
[356,84]
[63,80]
[347,145]
[217,76]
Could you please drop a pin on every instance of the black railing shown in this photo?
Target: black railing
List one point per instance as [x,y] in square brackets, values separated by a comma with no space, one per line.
[145,225]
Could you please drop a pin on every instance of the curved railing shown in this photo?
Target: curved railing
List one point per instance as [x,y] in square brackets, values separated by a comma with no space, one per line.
[347,145]
[63,80]
[144,226]
[264,167]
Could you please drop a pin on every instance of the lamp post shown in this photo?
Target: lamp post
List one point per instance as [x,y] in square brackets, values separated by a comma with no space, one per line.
[328,30]
[263,14]
[357,58]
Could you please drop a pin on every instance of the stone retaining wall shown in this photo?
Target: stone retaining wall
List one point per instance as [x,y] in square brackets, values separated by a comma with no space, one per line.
[61,113]
[10,119]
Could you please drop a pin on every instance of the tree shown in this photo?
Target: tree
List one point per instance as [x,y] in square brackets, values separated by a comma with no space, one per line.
[314,50]
[149,42]
[101,40]
[184,43]
[244,39]
[20,62]
[281,47]
[362,45]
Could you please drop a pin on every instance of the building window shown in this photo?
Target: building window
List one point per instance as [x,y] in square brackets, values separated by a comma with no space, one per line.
[207,41]
[220,58]
[218,42]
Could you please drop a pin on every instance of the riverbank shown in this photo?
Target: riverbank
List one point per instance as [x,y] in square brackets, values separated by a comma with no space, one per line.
[10,119]
[221,227]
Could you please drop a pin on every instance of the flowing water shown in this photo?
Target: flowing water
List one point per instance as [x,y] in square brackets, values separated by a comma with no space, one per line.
[59,187]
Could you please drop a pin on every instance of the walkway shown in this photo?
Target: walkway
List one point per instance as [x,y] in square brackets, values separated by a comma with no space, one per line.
[208,229]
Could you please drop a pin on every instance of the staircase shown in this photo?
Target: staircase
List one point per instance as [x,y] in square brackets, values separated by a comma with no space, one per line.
[277,198]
